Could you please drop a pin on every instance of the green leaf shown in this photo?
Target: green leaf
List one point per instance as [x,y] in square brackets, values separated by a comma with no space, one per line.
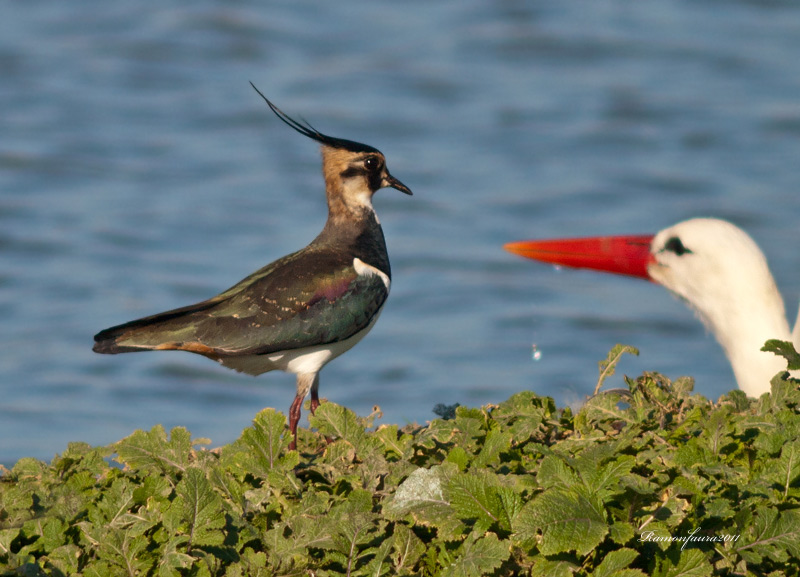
[152,487]
[171,559]
[669,510]
[784,349]
[6,537]
[719,507]
[718,430]
[312,532]
[153,452]
[197,507]
[267,440]
[401,445]
[339,422]
[335,420]
[608,479]
[510,505]
[53,531]
[124,552]
[609,365]
[65,559]
[616,563]
[786,469]
[478,557]
[691,563]
[544,567]
[621,532]
[288,544]
[353,529]
[422,497]
[380,562]
[407,548]
[785,392]
[525,412]
[421,491]
[260,452]
[438,432]
[469,427]
[607,409]
[772,534]
[113,508]
[555,472]
[567,520]
[255,564]
[474,497]
[495,443]
[459,457]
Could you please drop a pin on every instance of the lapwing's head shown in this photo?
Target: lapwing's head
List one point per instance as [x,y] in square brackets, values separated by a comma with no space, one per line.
[353,171]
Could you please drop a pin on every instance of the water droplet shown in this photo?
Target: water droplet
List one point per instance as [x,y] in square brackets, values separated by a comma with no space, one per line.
[536,354]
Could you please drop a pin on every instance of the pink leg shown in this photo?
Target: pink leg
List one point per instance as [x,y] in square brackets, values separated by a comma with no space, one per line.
[314,400]
[294,418]
[305,382]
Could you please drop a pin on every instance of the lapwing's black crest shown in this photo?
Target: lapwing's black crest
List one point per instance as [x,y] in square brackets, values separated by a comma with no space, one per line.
[304,309]
[306,129]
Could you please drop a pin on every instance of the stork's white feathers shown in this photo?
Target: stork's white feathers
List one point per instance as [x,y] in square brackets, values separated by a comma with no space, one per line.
[723,275]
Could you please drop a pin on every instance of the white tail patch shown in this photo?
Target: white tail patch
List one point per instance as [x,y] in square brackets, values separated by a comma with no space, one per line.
[364,269]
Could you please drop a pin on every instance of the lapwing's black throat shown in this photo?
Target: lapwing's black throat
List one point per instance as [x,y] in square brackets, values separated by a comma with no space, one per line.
[303,310]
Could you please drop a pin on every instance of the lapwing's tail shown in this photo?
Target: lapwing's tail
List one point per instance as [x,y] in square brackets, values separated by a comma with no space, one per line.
[146,334]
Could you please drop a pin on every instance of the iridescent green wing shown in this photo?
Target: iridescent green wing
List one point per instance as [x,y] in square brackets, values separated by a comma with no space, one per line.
[305,299]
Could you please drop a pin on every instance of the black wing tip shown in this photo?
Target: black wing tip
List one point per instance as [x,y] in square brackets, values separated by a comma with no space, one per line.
[105,342]
[108,345]
[106,348]
[306,129]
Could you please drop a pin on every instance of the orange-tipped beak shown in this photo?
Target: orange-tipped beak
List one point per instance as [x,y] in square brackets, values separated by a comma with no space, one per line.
[628,255]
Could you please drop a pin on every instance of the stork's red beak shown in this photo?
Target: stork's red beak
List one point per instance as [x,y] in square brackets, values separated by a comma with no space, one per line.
[628,255]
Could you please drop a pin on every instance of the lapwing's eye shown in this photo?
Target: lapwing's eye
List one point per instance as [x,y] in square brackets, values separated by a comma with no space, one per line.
[675,245]
[372,163]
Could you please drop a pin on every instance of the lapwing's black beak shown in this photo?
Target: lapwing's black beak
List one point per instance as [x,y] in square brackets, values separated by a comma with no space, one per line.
[392,182]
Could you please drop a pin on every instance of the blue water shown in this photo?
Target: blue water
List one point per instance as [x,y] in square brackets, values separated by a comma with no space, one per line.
[140,172]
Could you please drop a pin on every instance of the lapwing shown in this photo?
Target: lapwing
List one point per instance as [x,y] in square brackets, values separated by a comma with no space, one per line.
[303,310]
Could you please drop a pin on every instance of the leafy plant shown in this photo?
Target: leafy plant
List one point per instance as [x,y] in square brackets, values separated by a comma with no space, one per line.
[648,480]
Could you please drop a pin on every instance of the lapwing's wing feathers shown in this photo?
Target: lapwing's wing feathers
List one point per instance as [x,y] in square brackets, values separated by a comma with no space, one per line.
[294,308]
[281,307]
[108,340]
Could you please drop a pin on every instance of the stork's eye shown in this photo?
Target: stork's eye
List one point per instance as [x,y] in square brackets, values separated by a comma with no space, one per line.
[372,163]
[675,245]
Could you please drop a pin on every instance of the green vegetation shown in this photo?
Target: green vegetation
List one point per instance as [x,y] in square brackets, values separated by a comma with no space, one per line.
[650,480]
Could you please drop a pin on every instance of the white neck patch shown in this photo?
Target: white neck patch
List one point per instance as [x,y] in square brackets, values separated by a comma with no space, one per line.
[355,192]
[364,269]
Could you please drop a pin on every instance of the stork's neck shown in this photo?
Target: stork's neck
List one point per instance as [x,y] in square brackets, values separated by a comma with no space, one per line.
[796,332]
[742,327]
